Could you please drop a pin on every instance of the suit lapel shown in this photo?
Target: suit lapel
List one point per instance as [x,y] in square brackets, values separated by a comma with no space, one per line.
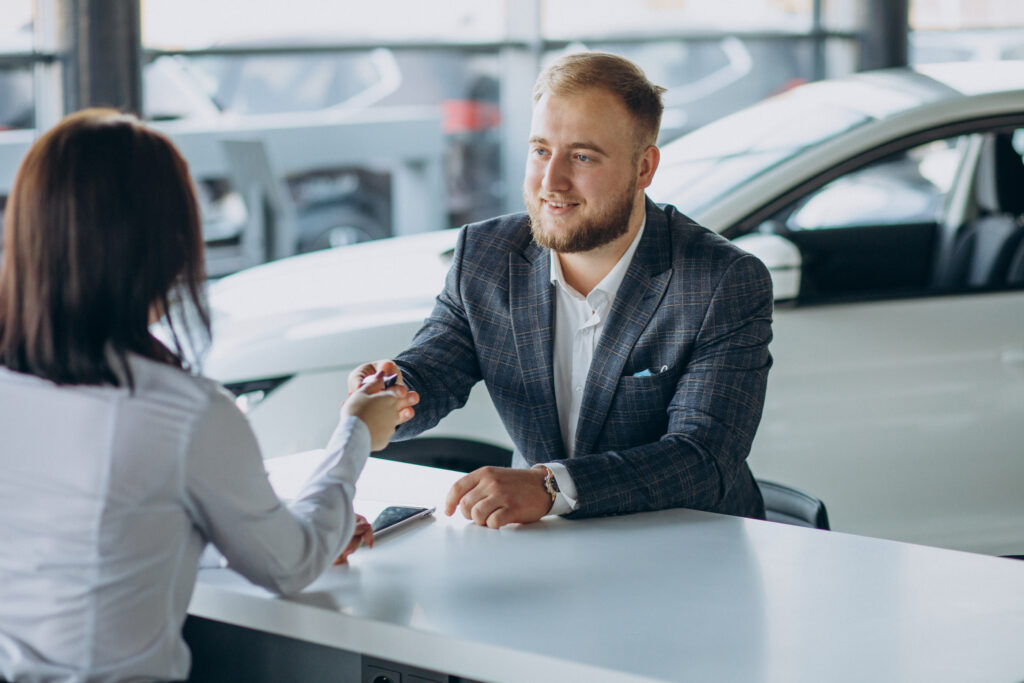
[635,303]
[532,306]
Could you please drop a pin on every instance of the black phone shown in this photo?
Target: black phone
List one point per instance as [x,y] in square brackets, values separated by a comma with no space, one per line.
[396,516]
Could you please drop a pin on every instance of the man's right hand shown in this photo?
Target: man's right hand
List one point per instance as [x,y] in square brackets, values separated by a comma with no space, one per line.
[361,375]
[381,410]
[364,375]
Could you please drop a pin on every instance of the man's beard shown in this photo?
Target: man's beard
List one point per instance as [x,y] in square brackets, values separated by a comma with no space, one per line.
[590,232]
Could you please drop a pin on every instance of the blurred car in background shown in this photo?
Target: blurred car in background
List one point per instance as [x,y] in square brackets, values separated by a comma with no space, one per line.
[711,78]
[338,204]
[930,47]
[342,205]
[889,208]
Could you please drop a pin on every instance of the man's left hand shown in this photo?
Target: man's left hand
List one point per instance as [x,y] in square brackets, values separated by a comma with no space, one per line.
[496,496]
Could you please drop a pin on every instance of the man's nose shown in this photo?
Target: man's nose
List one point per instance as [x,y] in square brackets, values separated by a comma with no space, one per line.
[556,176]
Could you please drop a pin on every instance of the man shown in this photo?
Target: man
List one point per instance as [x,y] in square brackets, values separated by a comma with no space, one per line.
[624,346]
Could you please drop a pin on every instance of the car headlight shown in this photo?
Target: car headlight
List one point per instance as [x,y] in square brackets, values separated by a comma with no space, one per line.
[250,393]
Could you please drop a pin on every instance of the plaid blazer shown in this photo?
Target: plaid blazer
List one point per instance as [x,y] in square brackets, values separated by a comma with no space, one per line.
[690,302]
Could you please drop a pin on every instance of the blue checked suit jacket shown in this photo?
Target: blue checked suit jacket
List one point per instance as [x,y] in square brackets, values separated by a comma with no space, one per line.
[690,301]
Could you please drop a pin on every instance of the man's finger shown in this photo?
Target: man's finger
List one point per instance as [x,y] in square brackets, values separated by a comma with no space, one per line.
[372,384]
[482,511]
[356,377]
[497,518]
[388,367]
[408,400]
[457,491]
[472,498]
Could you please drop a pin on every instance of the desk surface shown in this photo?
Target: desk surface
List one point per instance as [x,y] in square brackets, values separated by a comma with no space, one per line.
[669,595]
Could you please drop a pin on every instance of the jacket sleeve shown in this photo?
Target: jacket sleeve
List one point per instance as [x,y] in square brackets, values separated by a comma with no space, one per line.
[712,415]
[441,362]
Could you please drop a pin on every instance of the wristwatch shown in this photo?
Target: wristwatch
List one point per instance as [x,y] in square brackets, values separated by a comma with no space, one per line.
[550,483]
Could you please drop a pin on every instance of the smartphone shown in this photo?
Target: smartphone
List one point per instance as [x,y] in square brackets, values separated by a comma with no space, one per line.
[396,516]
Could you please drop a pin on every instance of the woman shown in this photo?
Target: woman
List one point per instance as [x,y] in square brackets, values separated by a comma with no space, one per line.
[118,465]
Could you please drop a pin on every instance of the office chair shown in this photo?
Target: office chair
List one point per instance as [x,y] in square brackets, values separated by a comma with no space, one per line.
[791,506]
[461,455]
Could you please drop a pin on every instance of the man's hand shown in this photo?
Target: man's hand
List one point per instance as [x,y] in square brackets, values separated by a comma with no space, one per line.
[381,411]
[359,376]
[366,376]
[363,535]
[496,496]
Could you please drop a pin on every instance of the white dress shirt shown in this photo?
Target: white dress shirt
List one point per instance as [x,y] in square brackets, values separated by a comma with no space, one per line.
[579,321]
[108,498]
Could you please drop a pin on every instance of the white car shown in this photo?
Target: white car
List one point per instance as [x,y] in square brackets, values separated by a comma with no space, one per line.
[889,207]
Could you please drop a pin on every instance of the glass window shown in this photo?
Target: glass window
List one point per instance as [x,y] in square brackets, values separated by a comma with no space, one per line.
[708,79]
[889,229]
[273,84]
[177,24]
[931,46]
[16,27]
[877,231]
[965,30]
[965,14]
[907,188]
[17,108]
[581,19]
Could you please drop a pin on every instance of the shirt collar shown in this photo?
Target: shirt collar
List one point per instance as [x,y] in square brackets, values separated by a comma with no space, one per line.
[609,284]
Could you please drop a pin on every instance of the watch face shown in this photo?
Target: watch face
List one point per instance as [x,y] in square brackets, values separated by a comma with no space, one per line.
[551,484]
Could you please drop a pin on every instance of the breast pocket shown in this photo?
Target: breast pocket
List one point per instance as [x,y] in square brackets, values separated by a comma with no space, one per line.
[638,412]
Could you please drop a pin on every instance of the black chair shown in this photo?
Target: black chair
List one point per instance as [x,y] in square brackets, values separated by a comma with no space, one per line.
[792,506]
[461,455]
[1015,273]
[984,250]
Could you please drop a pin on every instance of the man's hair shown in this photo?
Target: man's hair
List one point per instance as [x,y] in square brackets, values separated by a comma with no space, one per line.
[574,73]
[102,229]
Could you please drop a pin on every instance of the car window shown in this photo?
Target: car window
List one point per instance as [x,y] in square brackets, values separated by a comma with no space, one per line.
[909,187]
[891,228]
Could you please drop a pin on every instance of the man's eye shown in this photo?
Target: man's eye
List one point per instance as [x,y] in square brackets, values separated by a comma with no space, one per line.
[539,152]
[583,157]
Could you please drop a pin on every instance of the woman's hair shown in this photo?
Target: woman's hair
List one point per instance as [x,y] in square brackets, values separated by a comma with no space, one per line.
[101,235]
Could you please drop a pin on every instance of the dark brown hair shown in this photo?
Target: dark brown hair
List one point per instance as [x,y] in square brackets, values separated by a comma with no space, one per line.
[619,76]
[101,232]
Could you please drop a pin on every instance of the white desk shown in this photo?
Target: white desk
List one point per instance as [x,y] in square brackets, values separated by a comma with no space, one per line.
[673,595]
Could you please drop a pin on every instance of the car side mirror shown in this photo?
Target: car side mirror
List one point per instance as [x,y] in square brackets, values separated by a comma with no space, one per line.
[780,256]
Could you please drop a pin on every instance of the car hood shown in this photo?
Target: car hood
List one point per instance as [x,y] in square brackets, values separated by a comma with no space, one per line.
[326,309]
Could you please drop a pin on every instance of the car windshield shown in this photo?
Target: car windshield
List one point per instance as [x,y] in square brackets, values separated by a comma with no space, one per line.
[699,168]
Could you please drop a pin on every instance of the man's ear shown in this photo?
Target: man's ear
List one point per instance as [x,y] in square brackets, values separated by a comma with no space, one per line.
[649,159]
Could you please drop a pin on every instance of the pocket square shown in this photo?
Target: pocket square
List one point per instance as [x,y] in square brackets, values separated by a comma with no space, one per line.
[649,372]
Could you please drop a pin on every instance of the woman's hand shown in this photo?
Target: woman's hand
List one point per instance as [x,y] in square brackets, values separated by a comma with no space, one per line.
[363,535]
[381,410]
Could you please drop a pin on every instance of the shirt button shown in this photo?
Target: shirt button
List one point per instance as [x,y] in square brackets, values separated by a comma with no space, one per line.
[579,388]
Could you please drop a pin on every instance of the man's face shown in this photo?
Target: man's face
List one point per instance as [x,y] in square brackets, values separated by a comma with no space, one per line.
[583,180]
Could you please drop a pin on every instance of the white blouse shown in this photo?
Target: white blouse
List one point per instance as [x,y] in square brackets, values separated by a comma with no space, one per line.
[107,499]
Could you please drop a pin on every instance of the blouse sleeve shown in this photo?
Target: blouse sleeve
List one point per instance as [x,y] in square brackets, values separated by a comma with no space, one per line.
[282,548]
